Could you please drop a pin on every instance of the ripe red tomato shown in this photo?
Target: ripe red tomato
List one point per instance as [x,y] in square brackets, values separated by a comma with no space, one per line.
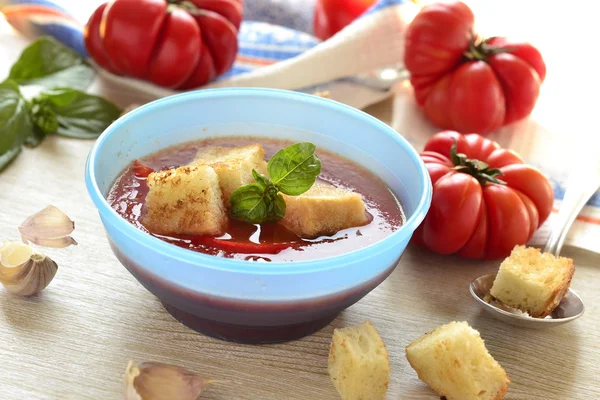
[177,44]
[331,16]
[486,200]
[466,83]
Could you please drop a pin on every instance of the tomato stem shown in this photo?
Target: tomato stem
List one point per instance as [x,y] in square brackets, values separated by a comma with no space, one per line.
[480,49]
[476,168]
[184,4]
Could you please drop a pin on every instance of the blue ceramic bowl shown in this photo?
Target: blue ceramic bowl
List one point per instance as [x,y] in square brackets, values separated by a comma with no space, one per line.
[234,299]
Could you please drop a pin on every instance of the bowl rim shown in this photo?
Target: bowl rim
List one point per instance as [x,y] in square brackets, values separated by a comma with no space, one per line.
[236,265]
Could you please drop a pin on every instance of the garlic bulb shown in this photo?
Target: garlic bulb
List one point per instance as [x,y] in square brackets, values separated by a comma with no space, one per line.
[49,227]
[24,271]
[157,381]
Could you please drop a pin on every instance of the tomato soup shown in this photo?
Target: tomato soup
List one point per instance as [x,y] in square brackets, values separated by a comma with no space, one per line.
[269,241]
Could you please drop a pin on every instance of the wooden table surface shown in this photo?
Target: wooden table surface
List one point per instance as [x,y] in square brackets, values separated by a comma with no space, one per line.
[74,340]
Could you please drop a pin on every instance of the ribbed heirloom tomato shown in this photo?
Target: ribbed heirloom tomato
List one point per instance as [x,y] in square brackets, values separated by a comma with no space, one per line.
[178,44]
[466,83]
[486,200]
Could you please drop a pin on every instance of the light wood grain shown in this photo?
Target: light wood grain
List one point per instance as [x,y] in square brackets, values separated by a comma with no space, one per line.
[74,340]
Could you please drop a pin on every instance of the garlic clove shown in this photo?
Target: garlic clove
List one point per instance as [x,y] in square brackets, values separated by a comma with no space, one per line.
[57,243]
[13,254]
[23,271]
[49,227]
[158,381]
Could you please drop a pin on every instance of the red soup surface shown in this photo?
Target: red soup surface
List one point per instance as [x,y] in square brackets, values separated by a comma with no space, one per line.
[268,241]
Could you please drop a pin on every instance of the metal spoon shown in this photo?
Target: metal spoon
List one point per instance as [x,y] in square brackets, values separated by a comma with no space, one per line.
[571,306]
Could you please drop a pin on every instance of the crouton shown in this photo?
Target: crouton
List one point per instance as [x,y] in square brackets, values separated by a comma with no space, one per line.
[323,210]
[455,363]
[233,165]
[185,200]
[359,365]
[532,281]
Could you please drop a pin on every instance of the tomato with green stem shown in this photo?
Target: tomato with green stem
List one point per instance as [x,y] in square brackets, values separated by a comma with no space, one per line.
[465,82]
[486,200]
[179,44]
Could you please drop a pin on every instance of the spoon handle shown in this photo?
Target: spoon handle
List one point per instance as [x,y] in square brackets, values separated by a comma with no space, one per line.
[577,194]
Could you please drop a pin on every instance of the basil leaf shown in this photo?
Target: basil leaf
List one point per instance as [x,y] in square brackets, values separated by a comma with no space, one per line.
[276,208]
[249,204]
[8,157]
[295,168]
[262,180]
[35,137]
[14,122]
[47,62]
[257,202]
[78,114]
[44,118]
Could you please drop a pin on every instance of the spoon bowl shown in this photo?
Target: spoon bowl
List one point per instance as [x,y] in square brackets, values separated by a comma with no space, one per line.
[570,308]
[580,189]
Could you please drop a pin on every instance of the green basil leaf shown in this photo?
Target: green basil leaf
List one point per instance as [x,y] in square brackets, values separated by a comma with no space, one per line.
[14,122]
[249,204]
[258,202]
[262,180]
[8,157]
[295,168]
[79,115]
[276,208]
[44,118]
[47,62]
[35,137]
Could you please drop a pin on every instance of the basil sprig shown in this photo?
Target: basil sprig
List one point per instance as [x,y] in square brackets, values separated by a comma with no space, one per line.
[48,63]
[72,113]
[62,107]
[293,171]
[14,119]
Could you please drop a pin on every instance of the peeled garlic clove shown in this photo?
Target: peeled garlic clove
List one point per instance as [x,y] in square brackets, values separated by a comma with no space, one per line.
[13,254]
[49,222]
[157,381]
[23,271]
[49,227]
[57,243]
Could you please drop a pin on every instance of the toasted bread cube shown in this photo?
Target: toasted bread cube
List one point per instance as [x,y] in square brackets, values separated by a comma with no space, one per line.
[359,365]
[455,363]
[323,210]
[185,200]
[233,165]
[532,281]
